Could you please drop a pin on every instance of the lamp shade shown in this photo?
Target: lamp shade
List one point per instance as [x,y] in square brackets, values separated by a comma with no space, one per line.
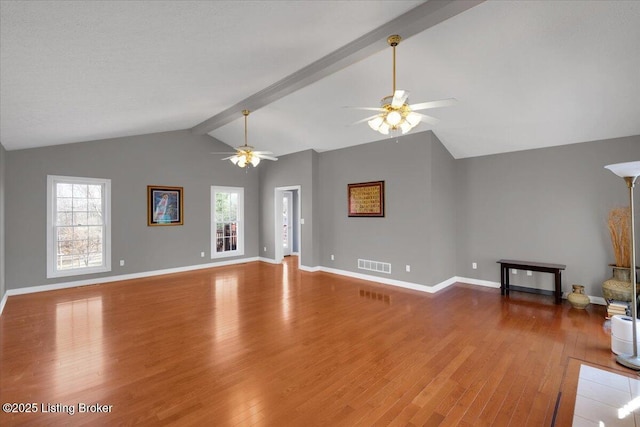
[624,170]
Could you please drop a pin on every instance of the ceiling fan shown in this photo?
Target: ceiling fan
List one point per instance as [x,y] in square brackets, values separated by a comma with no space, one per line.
[394,112]
[245,155]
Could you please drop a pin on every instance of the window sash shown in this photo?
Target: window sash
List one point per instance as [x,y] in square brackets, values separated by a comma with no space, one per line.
[227,221]
[78,231]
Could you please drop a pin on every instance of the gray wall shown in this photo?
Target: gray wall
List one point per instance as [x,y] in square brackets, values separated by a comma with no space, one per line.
[3,155]
[171,158]
[441,214]
[442,244]
[547,205]
[419,224]
[289,170]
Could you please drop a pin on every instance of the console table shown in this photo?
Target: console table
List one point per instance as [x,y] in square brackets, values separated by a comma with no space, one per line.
[506,264]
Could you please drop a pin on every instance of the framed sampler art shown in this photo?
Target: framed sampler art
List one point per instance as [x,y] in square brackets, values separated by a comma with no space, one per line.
[164,205]
[366,199]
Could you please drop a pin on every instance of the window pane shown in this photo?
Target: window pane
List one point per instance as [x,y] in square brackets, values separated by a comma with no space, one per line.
[81,233]
[79,204]
[63,190]
[80,218]
[233,207]
[94,205]
[94,218]
[64,204]
[64,218]
[80,190]
[65,233]
[94,191]
[95,260]
[95,232]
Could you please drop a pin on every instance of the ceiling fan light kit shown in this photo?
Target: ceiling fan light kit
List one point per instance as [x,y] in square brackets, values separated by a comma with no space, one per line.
[395,113]
[246,155]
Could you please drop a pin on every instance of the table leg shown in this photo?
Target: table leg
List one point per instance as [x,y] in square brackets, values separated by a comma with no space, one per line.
[558,287]
[506,281]
[501,279]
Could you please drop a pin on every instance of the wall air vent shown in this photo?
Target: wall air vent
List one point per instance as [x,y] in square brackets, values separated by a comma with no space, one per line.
[380,267]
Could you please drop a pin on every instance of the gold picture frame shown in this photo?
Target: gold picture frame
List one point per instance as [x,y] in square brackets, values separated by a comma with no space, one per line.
[366,199]
[165,205]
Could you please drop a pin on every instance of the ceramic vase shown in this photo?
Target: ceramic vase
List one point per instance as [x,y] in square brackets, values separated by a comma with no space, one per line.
[618,287]
[577,298]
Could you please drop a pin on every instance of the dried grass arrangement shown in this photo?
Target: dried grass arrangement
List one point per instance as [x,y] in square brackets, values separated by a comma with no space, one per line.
[619,223]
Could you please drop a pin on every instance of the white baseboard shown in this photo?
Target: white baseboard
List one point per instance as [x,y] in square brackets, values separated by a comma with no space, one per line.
[107,279]
[392,282]
[594,300]
[478,282]
[3,302]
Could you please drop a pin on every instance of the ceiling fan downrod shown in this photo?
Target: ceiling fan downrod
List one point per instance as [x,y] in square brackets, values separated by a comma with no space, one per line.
[393,41]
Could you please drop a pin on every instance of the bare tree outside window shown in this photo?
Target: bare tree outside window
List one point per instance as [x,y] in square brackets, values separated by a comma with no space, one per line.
[79,225]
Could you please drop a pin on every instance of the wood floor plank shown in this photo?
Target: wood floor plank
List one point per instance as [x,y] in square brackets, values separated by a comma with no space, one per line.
[269,345]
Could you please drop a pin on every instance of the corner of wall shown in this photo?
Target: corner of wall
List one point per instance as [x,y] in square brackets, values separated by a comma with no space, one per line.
[3,287]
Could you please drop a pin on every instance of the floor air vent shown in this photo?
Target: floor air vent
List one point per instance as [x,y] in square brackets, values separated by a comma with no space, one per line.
[380,267]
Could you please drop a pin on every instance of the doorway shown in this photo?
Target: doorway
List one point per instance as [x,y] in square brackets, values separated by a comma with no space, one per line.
[287,222]
[287,232]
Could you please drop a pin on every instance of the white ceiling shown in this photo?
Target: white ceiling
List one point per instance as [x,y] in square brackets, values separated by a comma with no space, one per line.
[527,74]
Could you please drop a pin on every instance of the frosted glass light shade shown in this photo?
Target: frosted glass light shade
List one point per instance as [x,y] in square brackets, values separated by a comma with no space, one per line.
[375,123]
[394,118]
[623,170]
[406,127]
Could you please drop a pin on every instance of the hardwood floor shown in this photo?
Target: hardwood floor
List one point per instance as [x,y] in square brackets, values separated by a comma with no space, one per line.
[261,344]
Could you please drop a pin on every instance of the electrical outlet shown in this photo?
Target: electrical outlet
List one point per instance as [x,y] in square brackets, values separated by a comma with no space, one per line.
[408,268]
[514,271]
[474,265]
[265,249]
[333,258]
[121,263]
[529,273]
[201,254]
[302,221]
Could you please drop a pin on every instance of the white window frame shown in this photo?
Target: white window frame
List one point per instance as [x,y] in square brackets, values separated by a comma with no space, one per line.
[52,239]
[240,222]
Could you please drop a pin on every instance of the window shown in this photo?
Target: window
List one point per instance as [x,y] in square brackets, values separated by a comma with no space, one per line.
[227,221]
[78,226]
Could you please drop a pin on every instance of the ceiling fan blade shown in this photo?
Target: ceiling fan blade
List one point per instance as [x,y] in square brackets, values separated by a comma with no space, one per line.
[434,104]
[428,119]
[262,156]
[399,97]
[227,158]
[367,108]
[262,152]
[222,152]
[364,120]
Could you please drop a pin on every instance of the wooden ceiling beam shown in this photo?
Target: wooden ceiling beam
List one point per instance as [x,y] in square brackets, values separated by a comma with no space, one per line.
[415,21]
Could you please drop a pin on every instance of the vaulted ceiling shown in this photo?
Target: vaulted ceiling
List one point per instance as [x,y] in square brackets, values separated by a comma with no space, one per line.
[526,74]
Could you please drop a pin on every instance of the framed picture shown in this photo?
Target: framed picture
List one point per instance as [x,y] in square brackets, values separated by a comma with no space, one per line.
[164,205]
[366,199]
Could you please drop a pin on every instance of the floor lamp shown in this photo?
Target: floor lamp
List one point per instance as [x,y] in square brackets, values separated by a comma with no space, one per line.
[630,172]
